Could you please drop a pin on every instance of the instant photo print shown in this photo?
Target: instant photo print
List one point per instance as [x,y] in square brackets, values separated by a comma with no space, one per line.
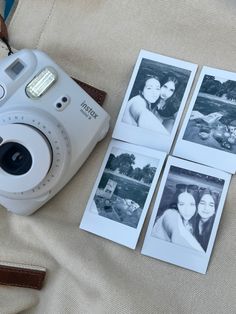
[154,101]
[209,127]
[122,192]
[186,214]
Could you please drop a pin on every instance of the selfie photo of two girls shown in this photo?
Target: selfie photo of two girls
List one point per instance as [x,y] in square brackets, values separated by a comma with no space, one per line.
[154,101]
[188,208]
[156,96]
[186,214]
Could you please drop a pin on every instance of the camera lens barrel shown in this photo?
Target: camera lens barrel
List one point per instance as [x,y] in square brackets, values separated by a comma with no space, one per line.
[15,158]
[25,157]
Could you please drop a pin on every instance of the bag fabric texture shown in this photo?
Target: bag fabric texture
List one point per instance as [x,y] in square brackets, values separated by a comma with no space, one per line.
[98,42]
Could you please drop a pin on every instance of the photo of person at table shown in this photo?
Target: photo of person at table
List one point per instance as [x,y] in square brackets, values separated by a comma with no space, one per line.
[212,121]
[156,96]
[187,212]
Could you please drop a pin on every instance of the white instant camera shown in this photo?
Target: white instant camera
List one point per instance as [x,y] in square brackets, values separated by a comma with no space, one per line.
[48,127]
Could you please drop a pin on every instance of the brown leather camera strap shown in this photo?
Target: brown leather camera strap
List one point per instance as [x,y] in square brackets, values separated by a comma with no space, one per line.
[18,274]
[4,34]
[97,94]
[3,29]
[28,276]
[21,275]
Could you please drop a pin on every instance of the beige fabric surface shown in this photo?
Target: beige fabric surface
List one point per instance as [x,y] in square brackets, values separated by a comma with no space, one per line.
[98,42]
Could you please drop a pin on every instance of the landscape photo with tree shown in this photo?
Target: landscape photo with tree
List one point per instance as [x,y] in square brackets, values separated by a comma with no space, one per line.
[213,86]
[124,187]
[124,164]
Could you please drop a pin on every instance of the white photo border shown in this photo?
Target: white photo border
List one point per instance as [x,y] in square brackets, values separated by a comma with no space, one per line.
[176,254]
[107,228]
[141,136]
[205,155]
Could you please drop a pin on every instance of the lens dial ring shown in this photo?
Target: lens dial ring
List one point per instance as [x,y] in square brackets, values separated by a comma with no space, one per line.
[59,143]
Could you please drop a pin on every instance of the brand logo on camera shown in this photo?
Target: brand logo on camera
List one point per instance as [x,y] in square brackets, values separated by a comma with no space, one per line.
[88,111]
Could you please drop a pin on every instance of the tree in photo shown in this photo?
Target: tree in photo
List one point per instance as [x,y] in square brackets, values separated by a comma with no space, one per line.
[214,87]
[148,173]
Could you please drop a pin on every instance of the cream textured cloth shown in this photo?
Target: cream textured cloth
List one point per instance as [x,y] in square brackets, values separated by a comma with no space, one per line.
[98,42]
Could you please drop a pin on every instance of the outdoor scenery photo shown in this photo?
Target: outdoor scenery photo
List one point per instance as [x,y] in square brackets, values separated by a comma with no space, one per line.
[213,119]
[124,187]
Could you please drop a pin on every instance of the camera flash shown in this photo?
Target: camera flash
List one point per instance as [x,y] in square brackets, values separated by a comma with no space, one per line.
[41,83]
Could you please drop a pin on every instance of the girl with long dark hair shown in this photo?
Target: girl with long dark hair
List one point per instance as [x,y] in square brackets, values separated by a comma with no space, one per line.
[165,108]
[206,211]
[138,110]
[176,223]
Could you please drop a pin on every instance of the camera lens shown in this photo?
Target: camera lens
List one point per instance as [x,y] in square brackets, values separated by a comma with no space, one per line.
[15,159]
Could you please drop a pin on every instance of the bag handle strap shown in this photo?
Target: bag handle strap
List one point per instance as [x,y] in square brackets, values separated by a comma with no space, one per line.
[4,35]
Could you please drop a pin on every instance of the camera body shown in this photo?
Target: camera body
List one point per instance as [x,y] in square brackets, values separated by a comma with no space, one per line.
[48,127]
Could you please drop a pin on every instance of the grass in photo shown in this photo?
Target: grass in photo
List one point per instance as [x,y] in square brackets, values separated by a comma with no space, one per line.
[213,119]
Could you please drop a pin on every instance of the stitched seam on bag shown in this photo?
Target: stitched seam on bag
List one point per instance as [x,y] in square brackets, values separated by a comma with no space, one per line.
[45,23]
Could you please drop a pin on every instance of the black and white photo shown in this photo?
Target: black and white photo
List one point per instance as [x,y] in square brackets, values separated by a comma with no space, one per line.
[187,209]
[210,124]
[156,96]
[186,214]
[124,186]
[122,192]
[154,100]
